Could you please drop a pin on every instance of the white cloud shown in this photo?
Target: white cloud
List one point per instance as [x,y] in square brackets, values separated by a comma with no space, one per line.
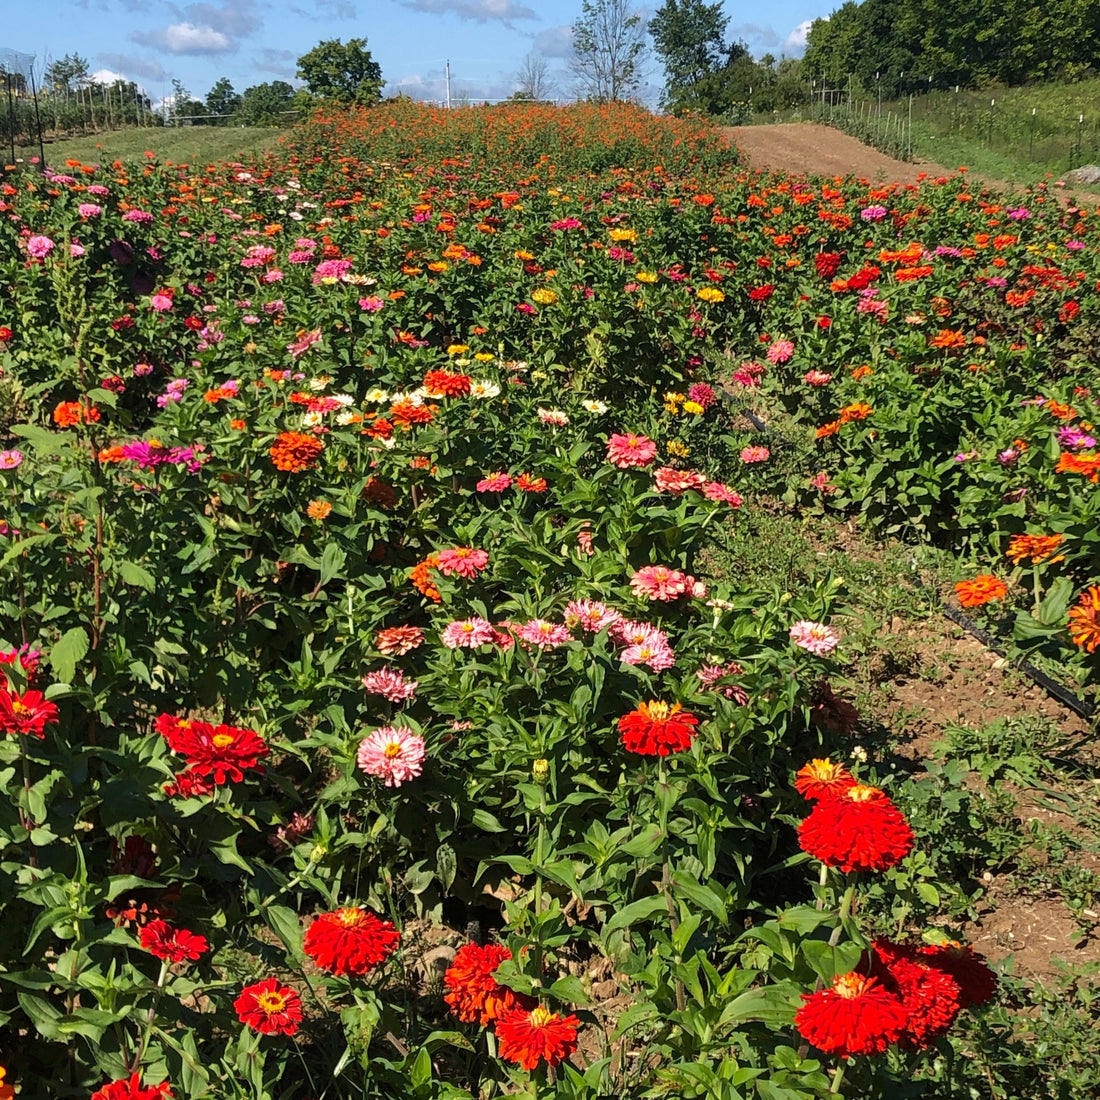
[795,42]
[186,38]
[434,88]
[480,11]
[106,76]
[555,42]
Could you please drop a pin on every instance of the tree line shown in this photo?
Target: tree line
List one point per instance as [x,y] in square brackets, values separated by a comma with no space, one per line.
[902,46]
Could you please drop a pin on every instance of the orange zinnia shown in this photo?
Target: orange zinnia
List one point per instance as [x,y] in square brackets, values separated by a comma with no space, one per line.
[1084,620]
[1036,547]
[1086,465]
[981,590]
[828,429]
[948,338]
[295,451]
[421,577]
[858,411]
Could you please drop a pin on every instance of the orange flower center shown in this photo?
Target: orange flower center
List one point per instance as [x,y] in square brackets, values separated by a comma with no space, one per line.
[20,708]
[851,985]
[540,1016]
[392,750]
[862,793]
[271,1002]
[222,740]
[658,712]
[351,918]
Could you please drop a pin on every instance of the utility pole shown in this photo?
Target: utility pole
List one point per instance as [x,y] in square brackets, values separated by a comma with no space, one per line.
[447,71]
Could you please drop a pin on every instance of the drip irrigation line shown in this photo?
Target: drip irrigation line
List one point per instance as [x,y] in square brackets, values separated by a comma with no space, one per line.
[1059,692]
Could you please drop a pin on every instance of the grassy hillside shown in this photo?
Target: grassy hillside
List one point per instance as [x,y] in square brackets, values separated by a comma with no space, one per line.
[182,144]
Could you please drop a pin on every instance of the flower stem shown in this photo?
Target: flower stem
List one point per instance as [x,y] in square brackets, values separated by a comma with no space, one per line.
[150,1016]
[838,1080]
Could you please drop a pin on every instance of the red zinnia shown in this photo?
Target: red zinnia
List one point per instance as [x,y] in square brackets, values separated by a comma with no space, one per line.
[821,779]
[657,729]
[856,1016]
[174,944]
[528,1037]
[929,995]
[859,829]
[218,751]
[473,994]
[269,1008]
[977,983]
[30,712]
[444,383]
[349,941]
[130,1089]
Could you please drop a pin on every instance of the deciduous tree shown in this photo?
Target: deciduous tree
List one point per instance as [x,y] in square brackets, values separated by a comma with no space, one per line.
[608,46]
[344,73]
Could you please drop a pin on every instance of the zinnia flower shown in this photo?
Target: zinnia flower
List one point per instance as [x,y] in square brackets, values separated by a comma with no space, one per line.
[658,582]
[536,1035]
[657,729]
[630,450]
[494,483]
[173,944]
[468,634]
[349,941]
[6,1091]
[590,615]
[755,454]
[9,460]
[981,590]
[127,1088]
[929,995]
[1036,547]
[545,635]
[29,713]
[473,994]
[858,829]
[390,684]
[855,1016]
[977,983]
[222,752]
[295,451]
[396,641]
[393,754]
[816,638]
[822,779]
[1084,621]
[269,1007]
[464,561]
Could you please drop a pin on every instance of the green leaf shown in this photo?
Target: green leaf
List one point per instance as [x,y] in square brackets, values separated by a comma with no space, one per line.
[635,913]
[283,921]
[332,561]
[70,648]
[132,573]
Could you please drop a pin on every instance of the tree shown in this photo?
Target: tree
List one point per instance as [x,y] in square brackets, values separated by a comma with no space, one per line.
[533,78]
[182,104]
[222,100]
[689,38]
[608,44]
[346,74]
[67,74]
[266,104]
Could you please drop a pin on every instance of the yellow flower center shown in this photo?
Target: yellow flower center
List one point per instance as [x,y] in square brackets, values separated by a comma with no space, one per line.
[19,707]
[862,793]
[851,985]
[271,1002]
[392,750]
[351,918]
[222,740]
[540,1016]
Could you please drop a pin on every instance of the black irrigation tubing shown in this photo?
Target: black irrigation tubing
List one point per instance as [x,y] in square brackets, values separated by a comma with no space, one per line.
[1059,692]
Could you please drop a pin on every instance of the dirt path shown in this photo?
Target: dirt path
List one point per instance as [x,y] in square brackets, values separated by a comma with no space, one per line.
[813,149]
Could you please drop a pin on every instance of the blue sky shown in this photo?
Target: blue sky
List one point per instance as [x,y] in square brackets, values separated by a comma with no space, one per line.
[253,41]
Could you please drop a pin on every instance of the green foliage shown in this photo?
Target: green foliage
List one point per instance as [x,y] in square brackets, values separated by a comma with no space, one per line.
[345,74]
[266,104]
[608,46]
[222,100]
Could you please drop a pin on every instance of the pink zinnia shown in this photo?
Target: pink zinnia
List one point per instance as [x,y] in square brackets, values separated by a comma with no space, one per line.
[590,615]
[584,541]
[9,460]
[494,483]
[816,638]
[553,416]
[702,394]
[390,684]
[159,303]
[629,632]
[658,582]
[668,480]
[755,454]
[817,378]
[305,341]
[371,304]
[39,247]
[393,754]
[543,634]
[468,634]
[89,210]
[715,490]
[630,450]
[463,561]
[780,351]
[653,654]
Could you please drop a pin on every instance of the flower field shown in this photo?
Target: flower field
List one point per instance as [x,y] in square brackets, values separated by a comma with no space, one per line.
[372,723]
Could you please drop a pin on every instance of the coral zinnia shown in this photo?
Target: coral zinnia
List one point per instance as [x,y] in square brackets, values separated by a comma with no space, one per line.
[173,944]
[222,752]
[855,1016]
[295,451]
[349,941]
[630,450]
[270,1008]
[981,590]
[126,1089]
[463,561]
[528,1037]
[822,779]
[29,713]
[657,729]
[473,994]
[859,829]
[396,641]
[1084,621]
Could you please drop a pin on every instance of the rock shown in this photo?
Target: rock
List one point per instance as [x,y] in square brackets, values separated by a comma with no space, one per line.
[1087,173]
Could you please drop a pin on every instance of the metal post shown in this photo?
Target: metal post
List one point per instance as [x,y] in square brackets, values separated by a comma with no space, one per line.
[447,71]
[909,145]
[38,124]
[1031,137]
[11,117]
